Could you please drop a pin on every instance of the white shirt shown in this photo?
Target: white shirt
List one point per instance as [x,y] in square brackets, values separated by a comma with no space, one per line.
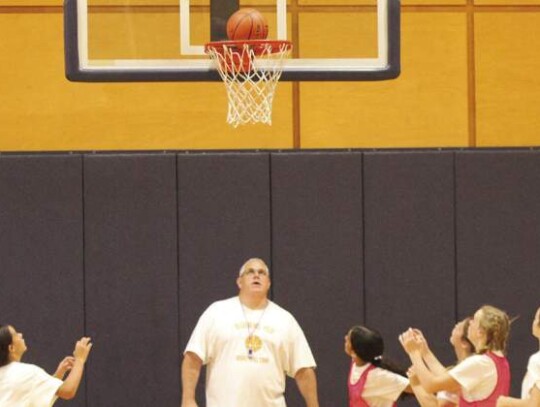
[477,376]
[233,379]
[25,385]
[382,387]
[532,375]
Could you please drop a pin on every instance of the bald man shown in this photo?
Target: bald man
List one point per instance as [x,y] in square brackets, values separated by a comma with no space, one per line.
[248,344]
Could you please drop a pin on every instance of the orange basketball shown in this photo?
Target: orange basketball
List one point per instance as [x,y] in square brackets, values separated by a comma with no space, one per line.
[247,24]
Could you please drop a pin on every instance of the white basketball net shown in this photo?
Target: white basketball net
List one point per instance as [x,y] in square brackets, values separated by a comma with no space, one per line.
[250,74]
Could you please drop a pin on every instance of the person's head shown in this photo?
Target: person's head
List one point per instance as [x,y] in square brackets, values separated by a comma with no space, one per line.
[489,329]
[459,340]
[536,324]
[254,278]
[365,345]
[12,345]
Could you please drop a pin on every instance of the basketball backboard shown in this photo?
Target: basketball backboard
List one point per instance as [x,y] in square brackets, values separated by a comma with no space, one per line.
[163,40]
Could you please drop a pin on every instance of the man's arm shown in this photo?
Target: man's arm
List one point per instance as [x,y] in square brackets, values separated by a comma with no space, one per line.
[191,370]
[307,384]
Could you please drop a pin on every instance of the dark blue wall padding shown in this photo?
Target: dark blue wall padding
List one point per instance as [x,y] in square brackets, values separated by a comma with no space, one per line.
[224,219]
[41,255]
[131,279]
[409,247]
[130,248]
[317,257]
[498,241]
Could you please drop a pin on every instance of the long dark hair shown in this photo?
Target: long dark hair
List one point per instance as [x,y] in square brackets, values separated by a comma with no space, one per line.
[5,340]
[368,345]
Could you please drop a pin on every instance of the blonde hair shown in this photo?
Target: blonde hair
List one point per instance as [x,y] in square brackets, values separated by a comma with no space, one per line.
[496,325]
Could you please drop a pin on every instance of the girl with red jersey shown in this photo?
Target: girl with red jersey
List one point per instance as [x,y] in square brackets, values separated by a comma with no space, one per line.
[463,348]
[480,379]
[373,380]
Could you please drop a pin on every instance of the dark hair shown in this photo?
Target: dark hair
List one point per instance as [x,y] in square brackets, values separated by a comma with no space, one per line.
[368,345]
[5,340]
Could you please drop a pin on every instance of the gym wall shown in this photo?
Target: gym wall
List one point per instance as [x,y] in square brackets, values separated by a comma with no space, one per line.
[469,79]
[131,248]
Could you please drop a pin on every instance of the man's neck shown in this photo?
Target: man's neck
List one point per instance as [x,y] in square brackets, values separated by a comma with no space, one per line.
[254,301]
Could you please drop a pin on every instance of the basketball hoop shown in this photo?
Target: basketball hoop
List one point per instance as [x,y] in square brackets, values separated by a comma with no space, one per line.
[250,70]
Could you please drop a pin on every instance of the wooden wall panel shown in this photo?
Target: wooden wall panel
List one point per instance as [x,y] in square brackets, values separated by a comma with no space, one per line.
[387,114]
[507,82]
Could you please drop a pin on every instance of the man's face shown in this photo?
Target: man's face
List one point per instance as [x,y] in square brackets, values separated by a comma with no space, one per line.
[255,278]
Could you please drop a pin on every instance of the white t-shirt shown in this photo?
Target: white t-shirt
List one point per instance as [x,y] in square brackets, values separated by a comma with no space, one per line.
[532,375]
[382,387]
[233,379]
[477,376]
[25,385]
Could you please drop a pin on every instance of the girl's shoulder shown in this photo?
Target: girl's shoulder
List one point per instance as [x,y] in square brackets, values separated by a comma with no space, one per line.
[482,357]
[535,358]
[21,369]
[474,361]
[384,373]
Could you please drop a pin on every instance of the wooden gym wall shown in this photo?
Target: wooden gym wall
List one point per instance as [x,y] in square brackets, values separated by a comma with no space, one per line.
[131,248]
[469,78]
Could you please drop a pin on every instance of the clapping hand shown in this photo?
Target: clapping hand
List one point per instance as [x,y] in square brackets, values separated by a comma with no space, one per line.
[64,366]
[411,342]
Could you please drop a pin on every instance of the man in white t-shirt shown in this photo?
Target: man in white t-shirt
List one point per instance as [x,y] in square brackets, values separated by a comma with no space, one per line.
[248,344]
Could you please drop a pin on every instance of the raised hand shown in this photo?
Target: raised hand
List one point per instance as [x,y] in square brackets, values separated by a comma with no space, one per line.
[64,366]
[410,342]
[419,336]
[82,349]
